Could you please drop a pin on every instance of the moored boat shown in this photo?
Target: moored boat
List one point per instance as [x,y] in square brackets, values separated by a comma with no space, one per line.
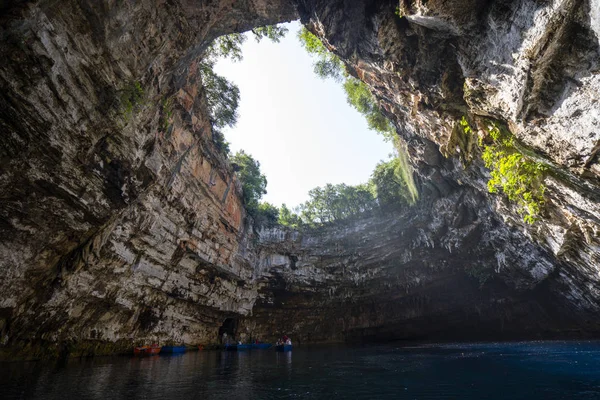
[173,349]
[146,350]
[153,350]
[283,347]
[244,346]
[261,345]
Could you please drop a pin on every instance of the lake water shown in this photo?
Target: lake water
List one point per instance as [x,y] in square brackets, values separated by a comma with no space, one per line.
[525,370]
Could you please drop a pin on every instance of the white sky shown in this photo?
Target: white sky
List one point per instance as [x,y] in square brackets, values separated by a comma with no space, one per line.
[298,126]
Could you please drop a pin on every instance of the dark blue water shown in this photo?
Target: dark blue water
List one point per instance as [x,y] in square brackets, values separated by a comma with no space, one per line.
[529,370]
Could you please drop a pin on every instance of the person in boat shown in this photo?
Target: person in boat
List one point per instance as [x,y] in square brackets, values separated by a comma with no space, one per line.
[279,342]
[288,342]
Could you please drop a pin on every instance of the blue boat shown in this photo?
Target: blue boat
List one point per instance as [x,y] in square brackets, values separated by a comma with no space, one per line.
[172,349]
[283,347]
[261,345]
[244,346]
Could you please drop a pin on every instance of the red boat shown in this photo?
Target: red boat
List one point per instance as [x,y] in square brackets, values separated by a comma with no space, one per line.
[146,350]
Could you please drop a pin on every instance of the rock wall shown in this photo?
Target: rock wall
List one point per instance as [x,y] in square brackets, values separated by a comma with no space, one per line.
[122,223]
[448,270]
[529,65]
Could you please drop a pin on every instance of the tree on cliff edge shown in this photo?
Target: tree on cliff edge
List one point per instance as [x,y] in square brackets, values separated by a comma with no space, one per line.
[253,181]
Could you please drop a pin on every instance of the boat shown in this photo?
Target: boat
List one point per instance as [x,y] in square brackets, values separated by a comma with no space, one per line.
[147,350]
[173,349]
[261,345]
[244,346]
[283,347]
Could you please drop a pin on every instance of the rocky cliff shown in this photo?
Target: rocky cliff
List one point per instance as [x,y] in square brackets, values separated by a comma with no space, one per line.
[528,66]
[120,220]
[122,223]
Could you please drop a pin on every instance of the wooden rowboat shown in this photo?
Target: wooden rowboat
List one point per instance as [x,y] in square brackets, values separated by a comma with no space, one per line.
[146,350]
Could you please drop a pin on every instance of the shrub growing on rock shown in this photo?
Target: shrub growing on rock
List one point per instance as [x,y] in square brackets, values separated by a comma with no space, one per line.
[519,177]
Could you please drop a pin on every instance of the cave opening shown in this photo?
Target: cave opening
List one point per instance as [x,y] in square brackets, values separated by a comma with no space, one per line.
[228,327]
[315,137]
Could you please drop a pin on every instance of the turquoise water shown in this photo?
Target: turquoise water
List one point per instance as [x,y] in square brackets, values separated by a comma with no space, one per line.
[526,370]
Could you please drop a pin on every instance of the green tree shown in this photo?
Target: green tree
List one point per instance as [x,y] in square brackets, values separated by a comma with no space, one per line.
[360,97]
[220,143]
[223,98]
[288,218]
[266,215]
[230,46]
[389,186]
[254,183]
[226,46]
[332,203]
[272,32]
[222,95]
[327,64]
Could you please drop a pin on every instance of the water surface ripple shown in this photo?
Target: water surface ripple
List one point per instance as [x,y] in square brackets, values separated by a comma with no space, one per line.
[524,370]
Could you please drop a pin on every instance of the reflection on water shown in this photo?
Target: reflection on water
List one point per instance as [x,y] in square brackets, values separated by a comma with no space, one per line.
[528,370]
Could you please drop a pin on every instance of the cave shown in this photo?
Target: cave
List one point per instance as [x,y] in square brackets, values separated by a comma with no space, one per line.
[229,327]
[115,194]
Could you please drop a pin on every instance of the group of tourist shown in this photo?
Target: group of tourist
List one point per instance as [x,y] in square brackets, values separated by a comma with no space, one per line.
[284,340]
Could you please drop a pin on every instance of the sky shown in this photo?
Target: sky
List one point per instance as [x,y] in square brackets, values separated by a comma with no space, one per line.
[298,126]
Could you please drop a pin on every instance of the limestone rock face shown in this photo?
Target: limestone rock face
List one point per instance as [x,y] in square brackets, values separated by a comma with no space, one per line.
[446,270]
[120,222]
[533,66]
[120,219]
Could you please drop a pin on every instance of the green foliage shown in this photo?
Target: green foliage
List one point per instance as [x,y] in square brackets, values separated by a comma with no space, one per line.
[166,114]
[226,46]
[390,185]
[288,218]
[272,32]
[520,178]
[222,96]
[359,96]
[131,97]
[465,126]
[220,143]
[333,203]
[405,170]
[327,65]
[461,141]
[266,215]
[254,183]
[230,46]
